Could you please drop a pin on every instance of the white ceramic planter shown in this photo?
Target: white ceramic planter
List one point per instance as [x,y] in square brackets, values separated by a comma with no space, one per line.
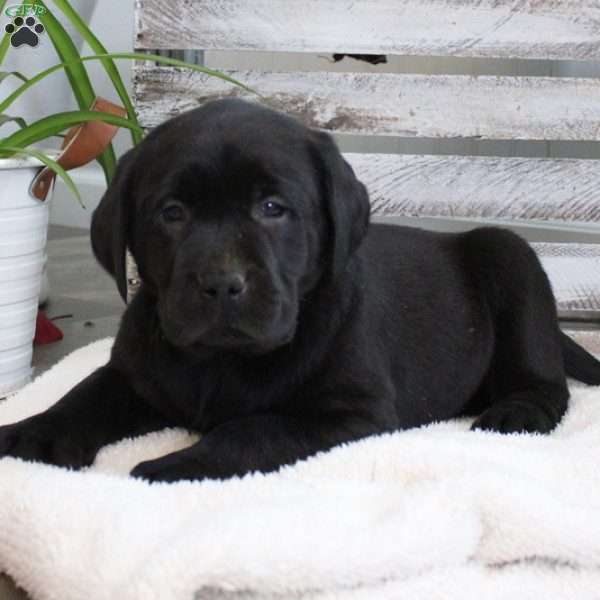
[23,231]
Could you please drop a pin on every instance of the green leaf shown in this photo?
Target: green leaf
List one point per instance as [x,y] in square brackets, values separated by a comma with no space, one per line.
[4,45]
[77,76]
[122,55]
[51,164]
[54,124]
[7,119]
[5,74]
[107,63]
[67,52]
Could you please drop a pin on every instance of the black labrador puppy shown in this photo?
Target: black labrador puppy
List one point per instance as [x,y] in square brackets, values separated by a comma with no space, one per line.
[274,321]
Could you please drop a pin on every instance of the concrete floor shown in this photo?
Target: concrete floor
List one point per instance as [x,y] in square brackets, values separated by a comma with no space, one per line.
[84,302]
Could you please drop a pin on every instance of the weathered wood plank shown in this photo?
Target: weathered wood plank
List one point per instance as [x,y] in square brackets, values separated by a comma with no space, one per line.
[590,340]
[526,108]
[574,271]
[559,29]
[480,187]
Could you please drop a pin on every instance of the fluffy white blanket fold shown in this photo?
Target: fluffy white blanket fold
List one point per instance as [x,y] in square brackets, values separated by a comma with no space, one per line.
[438,512]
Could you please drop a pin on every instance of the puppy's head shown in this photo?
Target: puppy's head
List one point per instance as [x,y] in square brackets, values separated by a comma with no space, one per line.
[233,213]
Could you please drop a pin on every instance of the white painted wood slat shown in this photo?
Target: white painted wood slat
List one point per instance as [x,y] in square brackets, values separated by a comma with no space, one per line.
[433,106]
[557,29]
[574,272]
[590,340]
[481,187]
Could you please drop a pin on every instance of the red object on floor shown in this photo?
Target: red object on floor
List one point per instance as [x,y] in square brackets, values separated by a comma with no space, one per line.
[46,331]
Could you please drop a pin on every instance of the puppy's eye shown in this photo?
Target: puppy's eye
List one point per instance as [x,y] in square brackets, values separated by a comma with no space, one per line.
[271,209]
[172,213]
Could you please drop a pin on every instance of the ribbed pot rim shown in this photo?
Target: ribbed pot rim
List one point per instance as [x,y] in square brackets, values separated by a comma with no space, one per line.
[24,161]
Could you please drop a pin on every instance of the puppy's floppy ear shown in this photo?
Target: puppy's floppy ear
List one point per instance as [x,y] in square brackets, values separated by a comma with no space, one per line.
[110,230]
[346,201]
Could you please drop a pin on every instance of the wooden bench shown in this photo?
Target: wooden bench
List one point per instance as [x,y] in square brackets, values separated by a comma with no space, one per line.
[557,199]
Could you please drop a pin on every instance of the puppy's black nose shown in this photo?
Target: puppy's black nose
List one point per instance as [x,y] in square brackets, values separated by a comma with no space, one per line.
[224,286]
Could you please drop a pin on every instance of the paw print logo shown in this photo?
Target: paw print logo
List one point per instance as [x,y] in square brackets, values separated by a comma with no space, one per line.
[24,31]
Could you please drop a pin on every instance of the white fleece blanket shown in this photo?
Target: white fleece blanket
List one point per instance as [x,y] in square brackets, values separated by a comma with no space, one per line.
[438,512]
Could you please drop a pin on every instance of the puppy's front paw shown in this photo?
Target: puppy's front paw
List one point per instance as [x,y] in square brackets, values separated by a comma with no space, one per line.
[173,467]
[37,440]
[515,416]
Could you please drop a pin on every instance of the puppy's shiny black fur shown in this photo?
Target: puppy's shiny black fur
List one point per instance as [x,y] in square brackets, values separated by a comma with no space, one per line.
[274,321]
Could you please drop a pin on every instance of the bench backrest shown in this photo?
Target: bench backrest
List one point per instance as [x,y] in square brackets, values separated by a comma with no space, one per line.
[405,105]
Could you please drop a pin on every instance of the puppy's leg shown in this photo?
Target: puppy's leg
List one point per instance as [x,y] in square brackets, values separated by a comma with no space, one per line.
[256,443]
[99,410]
[525,389]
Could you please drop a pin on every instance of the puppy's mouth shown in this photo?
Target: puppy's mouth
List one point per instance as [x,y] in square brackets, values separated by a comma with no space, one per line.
[227,337]
[232,341]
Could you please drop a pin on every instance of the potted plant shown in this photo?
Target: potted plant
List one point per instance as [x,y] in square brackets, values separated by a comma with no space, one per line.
[23,218]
